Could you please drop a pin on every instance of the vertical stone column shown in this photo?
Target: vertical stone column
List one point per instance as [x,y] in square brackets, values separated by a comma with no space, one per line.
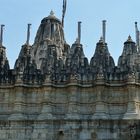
[73,79]
[101,108]
[47,79]
[132,112]
[18,110]
[73,104]
[46,112]
[19,78]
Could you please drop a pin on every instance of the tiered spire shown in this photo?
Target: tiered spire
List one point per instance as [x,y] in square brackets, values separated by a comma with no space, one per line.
[137,36]
[129,39]
[102,62]
[79,32]
[64,11]
[49,38]
[50,56]
[4,64]
[104,30]
[28,34]
[1,34]
[127,61]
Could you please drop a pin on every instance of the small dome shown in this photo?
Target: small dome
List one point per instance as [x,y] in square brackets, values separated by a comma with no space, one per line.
[101,40]
[52,14]
[51,17]
[50,35]
[129,40]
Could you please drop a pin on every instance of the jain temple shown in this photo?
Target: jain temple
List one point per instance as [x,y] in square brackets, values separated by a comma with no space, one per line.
[55,93]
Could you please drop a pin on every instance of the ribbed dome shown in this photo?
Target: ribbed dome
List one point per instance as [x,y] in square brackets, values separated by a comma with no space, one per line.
[129,40]
[50,29]
[51,17]
[49,38]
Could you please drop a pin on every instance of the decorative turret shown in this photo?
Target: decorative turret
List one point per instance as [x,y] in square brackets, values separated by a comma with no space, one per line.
[137,36]
[127,60]
[24,57]
[101,63]
[51,30]
[51,65]
[4,64]
[25,66]
[104,30]
[76,63]
[76,53]
[129,47]
[50,33]
[3,58]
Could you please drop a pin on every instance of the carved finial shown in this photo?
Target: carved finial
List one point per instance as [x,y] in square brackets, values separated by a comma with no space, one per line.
[1,34]
[28,34]
[129,39]
[104,30]
[77,41]
[79,32]
[101,40]
[52,13]
[64,11]
[137,35]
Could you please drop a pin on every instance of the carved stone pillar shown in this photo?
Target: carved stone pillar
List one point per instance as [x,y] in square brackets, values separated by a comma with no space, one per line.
[48,79]
[73,78]
[18,110]
[131,78]
[19,78]
[73,105]
[101,108]
[132,112]
[46,112]
[100,79]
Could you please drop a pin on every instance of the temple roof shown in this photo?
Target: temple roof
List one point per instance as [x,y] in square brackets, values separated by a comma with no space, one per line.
[129,40]
[51,17]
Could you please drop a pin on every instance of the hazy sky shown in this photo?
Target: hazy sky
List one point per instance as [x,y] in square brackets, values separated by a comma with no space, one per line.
[120,16]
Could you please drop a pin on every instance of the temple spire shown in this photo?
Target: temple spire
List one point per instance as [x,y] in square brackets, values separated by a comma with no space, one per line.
[64,11]
[28,34]
[137,36]
[79,32]
[1,34]
[104,30]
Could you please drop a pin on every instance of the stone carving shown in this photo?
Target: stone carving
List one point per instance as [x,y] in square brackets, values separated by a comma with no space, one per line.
[102,63]
[54,93]
[5,76]
[77,63]
[25,67]
[50,33]
[128,61]
[52,57]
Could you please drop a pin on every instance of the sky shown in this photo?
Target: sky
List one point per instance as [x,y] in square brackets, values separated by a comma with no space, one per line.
[120,16]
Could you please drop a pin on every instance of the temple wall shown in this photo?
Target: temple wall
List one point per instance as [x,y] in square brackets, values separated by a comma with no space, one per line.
[71,112]
[55,93]
[70,130]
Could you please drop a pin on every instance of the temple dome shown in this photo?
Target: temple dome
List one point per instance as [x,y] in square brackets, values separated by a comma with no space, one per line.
[129,40]
[51,17]
[50,29]
[49,38]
